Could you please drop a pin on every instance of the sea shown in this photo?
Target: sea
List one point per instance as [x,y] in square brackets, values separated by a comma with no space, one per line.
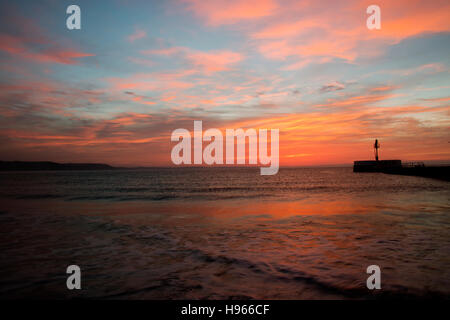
[223,233]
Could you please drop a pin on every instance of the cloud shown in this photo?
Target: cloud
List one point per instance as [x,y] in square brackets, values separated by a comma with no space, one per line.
[219,12]
[214,61]
[333,86]
[24,39]
[204,61]
[165,51]
[17,47]
[46,96]
[238,64]
[334,29]
[335,131]
[138,34]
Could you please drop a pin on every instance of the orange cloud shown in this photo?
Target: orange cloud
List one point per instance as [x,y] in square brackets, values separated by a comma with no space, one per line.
[401,19]
[217,12]
[17,47]
[312,138]
[343,136]
[214,61]
[309,29]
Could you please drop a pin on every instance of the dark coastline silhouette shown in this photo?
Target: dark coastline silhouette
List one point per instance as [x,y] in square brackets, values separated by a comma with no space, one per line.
[382,166]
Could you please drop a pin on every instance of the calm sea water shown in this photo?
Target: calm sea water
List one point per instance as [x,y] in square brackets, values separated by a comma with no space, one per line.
[213,233]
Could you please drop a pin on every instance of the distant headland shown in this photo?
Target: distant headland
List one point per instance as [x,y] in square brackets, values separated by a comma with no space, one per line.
[48,165]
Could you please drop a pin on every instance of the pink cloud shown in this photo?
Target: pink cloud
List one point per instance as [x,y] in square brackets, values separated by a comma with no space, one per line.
[217,12]
[311,30]
[207,62]
[339,29]
[17,47]
[138,34]
[214,61]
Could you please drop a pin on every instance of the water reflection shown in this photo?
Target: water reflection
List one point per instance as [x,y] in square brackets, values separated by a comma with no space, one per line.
[298,245]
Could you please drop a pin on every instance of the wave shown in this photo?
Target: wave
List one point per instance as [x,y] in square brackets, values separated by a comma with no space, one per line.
[38,196]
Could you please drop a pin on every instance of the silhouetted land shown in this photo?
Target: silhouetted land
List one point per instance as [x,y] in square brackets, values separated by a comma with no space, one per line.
[442,173]
[47,165]
[397,167]
[436,172]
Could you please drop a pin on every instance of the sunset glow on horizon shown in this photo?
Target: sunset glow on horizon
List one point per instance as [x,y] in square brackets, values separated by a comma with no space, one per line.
[114,91]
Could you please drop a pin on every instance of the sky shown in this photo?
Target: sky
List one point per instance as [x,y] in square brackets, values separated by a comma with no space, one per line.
[115,90]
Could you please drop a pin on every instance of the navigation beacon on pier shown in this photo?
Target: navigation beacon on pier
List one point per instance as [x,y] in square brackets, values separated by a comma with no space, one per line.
[377,165]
